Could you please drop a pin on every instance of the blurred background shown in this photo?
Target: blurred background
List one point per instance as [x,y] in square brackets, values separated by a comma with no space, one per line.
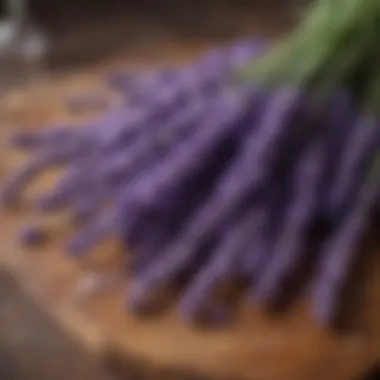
[61,33]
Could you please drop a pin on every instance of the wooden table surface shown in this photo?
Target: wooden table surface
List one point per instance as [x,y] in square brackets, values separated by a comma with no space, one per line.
[257,347]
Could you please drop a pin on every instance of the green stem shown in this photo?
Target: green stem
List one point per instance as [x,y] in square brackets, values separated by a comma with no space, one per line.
[335,41]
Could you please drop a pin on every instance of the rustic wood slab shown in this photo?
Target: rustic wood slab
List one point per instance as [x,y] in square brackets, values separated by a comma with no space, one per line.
[257,347]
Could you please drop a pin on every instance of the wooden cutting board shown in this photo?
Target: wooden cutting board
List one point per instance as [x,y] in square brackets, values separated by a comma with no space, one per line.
[256,347]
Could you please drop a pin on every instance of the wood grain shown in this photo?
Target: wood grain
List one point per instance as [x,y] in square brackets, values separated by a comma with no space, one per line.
[256,347]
